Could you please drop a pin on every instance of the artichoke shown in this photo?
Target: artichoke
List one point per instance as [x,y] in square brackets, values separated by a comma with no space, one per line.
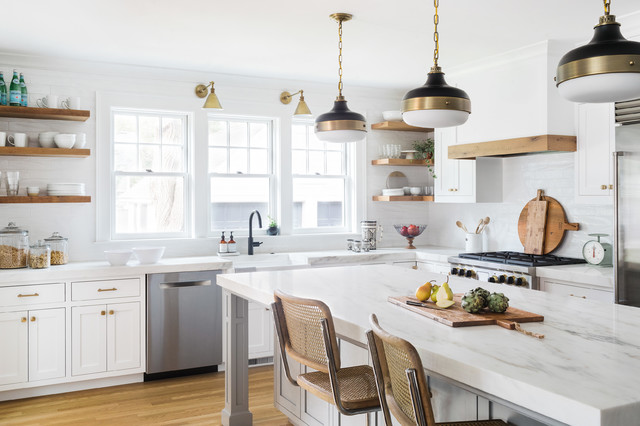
[498,302]
[472,302]
[484,293]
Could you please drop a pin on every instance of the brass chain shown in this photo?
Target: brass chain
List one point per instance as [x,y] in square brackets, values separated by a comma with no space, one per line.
[436,37]
[607,6]
[340,58]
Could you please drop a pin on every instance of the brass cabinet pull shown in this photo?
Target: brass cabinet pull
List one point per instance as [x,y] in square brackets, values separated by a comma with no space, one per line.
[28,295]
[603,187]
[103,313]
[610,186]
[23,319]
[414,267]
[111,312]
[107,289]
[33,319]
[581,297]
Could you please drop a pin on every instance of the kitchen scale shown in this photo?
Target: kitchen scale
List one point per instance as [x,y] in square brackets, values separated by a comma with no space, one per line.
[598,253]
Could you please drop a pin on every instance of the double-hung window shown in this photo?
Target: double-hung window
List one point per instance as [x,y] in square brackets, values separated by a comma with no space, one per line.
[240,170]
[322,186]
[150,174]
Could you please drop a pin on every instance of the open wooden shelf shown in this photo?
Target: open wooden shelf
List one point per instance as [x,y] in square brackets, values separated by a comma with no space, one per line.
[511,147]
[402,198]
[44,152]
[44,113]
[398,126]
[45,199]
[401,162]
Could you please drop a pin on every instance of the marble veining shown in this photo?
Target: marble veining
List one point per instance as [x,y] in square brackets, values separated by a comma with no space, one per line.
[582,373]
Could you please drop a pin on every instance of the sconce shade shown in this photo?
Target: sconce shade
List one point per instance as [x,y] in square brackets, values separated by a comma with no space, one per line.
[302,108]
[341,124]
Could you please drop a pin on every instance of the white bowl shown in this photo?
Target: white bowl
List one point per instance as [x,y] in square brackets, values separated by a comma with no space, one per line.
[148,254]
[118,257]
[46,139]
[65,140]
[393,192]
[415,190]
[33,190]
[392,115]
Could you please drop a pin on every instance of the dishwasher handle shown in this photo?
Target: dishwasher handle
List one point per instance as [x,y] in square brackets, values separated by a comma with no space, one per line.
[184,284]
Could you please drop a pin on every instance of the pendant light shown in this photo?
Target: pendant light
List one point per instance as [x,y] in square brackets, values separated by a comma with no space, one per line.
[340,124]
[607,69]
[436,104]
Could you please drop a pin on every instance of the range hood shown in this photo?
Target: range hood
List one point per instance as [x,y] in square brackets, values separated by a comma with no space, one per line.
[513,147]
[628,112]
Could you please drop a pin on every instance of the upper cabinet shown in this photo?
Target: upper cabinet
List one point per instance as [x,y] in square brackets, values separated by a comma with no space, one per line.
[594,162]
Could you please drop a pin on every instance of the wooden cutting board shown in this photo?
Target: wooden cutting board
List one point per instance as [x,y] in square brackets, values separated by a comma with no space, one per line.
[455,316]
[555,226]
[536,222]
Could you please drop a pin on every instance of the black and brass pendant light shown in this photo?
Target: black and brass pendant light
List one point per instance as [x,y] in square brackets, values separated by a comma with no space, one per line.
[340,124]
[436,104]
[607,69]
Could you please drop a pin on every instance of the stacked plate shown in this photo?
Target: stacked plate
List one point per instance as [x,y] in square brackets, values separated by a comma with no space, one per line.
[65,189]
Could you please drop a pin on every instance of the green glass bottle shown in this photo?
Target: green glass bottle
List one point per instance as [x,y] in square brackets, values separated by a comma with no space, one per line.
[15,94]
[23,92]
[3,90]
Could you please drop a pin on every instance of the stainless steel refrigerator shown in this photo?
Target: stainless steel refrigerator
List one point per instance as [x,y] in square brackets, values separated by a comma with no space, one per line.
[627,215]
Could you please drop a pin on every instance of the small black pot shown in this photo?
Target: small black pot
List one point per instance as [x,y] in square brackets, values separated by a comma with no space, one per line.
[272,230]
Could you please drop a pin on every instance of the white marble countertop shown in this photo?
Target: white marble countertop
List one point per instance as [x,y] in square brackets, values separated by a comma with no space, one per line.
[597,276]
[584,372]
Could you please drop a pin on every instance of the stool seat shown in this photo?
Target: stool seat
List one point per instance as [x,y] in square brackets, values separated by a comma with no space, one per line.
[357,386]
[475,423]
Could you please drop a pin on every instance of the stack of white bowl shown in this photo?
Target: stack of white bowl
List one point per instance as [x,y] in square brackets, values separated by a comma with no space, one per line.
[65,140]
[65,189]
[46,139]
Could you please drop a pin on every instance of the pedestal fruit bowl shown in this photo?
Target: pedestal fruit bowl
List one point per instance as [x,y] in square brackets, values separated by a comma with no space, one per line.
[410,232]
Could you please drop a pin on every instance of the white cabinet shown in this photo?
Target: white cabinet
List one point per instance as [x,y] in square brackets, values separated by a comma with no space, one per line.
[566,288]
[260,331]
[33,345]
[596,142]
[105,338]
[406,264]
[437,267]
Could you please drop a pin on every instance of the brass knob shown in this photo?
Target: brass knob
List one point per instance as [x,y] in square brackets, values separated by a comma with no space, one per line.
[414,267]
[455,189]
[603,187]
[23,319]
[33,319]
[111,312]
[610,186]
[450,190]
[103,313]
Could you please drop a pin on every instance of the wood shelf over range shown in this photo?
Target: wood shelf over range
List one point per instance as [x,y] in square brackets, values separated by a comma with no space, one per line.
[398,126]
[44,152]
[517,146]
[45,113]
[400,162]
[402,198]
[45,199]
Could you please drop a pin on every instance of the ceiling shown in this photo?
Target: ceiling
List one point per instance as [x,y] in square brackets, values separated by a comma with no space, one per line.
[388,44]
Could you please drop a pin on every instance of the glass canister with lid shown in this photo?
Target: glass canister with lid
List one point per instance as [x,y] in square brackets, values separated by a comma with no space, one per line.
[59,249]
[14,247]
[39,255]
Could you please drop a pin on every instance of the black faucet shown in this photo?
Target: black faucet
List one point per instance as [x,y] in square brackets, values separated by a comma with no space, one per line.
[251,243]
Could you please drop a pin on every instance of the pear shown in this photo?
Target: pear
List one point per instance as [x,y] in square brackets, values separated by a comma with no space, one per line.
[445,303]
[444,293]
[434,292]
[424,292]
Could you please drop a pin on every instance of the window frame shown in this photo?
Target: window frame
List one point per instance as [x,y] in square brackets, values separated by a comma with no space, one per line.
[187,175]
[272,175]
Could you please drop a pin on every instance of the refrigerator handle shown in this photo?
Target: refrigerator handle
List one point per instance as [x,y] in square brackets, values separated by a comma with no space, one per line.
[616,230]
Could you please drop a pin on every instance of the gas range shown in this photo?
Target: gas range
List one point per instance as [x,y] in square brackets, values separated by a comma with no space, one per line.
[505,267]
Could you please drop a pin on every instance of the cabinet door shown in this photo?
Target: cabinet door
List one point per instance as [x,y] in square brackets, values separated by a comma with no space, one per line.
[446,170]
[313,410]
[260,331]
[451,403]
[123,336]
[595,144]
[287,395]
[47,344]
[350,355]
[88,339]
[13,344]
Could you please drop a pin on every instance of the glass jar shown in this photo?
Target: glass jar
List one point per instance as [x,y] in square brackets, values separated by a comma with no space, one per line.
[14,247]
[40,255]
[59,249]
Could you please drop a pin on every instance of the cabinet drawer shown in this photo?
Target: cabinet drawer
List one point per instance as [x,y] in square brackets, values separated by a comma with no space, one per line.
[95,290]
[31,294]
[561,288]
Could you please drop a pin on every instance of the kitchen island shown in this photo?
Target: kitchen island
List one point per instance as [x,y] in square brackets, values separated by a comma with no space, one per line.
[582,373]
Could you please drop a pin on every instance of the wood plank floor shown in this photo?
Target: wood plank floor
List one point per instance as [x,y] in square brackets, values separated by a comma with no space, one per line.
[193,400]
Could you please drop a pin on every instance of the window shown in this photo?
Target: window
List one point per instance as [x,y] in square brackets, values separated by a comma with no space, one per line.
[240,170]
[149,174]
[320,181]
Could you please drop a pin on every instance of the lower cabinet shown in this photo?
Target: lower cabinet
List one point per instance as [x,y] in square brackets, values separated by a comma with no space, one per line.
[33,345]
[105,338]
[260,331]
[566,288]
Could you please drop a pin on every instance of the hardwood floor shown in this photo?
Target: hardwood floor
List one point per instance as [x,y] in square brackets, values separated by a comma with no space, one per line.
[193,400]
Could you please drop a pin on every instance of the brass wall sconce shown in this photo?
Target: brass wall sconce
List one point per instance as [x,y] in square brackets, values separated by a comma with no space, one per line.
[212,101]
[302,108]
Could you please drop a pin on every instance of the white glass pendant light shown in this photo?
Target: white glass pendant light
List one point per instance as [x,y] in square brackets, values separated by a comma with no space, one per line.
[340,124]
[436,104]
[607,69]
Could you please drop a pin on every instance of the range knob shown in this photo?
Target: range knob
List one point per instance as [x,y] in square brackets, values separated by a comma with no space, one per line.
[502,278]
[520,281]
[511,280]
[461,272]
[454,271]
[493,279]
[470,273]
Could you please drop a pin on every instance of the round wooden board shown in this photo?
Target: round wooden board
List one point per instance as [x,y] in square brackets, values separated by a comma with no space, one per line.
[556,224]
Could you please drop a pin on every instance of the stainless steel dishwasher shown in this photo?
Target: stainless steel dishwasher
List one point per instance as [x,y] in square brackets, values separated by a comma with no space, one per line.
[184,323]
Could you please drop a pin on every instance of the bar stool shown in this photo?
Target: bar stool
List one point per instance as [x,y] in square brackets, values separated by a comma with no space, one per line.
[402,384]
[306,333]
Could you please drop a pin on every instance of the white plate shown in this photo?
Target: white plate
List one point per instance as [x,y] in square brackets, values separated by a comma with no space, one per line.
[397,180]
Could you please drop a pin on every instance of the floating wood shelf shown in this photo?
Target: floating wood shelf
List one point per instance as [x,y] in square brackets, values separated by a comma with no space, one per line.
[402,198]
[45,113]
[44,152]
[511,147]
[45,199]
[401,162]
[398,126]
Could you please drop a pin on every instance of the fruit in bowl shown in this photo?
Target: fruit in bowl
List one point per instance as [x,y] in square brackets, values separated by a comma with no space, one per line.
[410,232]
